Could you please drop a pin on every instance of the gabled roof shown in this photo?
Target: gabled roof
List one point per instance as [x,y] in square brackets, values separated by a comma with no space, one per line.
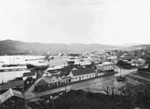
[140,59]
[56,75]
[42,82]
[49,79]
[82,71]
[10,93]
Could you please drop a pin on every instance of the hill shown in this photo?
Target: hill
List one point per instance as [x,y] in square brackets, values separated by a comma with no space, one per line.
[87,100]
[18,47]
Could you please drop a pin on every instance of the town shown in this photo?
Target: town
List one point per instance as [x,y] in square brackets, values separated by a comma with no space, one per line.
[32,78]
[74,54]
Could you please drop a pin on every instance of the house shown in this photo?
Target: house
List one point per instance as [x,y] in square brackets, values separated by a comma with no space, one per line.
[105,68]
[30,74]
[48,82]
[41,85]
[77,62]
[127,58]
[82,74]
[141,62]
[108,66]
[54,80]
[58,62]
[12,99]
[112,58]
[54,69]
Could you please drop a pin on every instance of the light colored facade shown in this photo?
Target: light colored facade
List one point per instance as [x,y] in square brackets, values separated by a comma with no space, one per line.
[106,66]
[100,74]
[78,76]
[27,75]
[82,77]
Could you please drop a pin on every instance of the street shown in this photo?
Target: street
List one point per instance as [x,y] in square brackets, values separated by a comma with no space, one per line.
[88,85]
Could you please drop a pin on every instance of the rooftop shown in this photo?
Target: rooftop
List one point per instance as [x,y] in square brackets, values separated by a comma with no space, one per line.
[41,82]
[14,67]
[55,68]
[28,74]
[82,71]
[12,84]
[8,94]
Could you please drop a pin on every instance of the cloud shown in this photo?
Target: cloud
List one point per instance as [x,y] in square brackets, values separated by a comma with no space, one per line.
[76,21]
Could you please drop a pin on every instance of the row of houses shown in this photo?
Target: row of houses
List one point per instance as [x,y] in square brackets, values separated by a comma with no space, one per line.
[75,75]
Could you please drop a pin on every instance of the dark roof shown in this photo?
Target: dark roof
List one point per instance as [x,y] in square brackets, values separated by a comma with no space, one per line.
[12,84]
[28,74]
[82,71]
[10,93]
[127,57]
[42,82]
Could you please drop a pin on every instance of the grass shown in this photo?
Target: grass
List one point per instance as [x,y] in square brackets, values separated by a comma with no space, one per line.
[144,81]
[87,100]
[147,76]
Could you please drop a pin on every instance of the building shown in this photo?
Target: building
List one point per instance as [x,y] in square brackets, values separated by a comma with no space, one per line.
[41,85]
[12,99]
[82,74]
[16,84]
[105,68]
[58,61]
[30,74]
[12,71]
[49,82]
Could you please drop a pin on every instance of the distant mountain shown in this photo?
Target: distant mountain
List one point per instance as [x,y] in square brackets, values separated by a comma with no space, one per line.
[142,46]
[129,45]
[18,47]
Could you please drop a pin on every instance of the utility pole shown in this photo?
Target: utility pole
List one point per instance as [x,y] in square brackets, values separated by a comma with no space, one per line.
[65,85]
[120,71]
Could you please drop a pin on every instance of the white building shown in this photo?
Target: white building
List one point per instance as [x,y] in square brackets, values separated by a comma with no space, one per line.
[106,67]
[82,74]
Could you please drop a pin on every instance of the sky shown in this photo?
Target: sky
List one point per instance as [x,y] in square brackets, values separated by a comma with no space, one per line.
[110,22]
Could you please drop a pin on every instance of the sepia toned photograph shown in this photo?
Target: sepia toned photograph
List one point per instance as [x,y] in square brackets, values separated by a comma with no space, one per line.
[74,54]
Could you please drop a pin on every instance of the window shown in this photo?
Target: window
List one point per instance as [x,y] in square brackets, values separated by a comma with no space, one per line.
[6,70]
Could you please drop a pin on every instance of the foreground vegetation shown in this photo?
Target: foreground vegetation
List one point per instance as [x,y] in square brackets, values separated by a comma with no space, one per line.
[127,99]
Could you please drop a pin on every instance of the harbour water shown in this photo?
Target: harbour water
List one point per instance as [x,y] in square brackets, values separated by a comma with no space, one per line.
[15,59]
[6,76]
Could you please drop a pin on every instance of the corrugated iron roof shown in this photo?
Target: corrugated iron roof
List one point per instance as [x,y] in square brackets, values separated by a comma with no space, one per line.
[10,93]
